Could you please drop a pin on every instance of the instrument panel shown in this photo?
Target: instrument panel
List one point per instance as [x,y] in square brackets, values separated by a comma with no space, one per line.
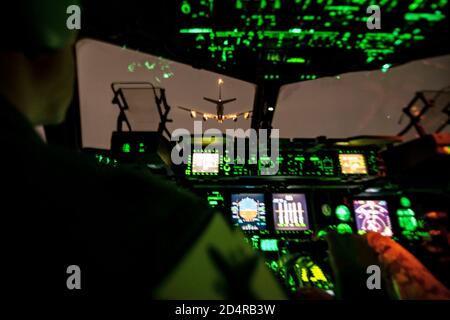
[328,162]
[319,187]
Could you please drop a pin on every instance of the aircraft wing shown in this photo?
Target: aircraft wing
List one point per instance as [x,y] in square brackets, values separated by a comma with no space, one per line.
[234,116]
[194,113]
[191,110]
[246,114]
[219,101]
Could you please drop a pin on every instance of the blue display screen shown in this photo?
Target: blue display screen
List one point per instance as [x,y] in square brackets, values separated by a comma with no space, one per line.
[249,211]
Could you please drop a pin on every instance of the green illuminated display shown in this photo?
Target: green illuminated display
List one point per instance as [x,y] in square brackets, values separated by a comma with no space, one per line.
[291,162]
[436,16]
[295,60]
[267,27]
[295,164]
[269,245]
[196,30]
[215,199]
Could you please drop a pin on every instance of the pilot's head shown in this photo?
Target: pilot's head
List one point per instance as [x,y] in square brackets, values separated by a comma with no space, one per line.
[36,58]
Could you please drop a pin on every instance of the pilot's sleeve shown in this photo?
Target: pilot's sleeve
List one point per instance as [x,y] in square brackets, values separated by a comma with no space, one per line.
[160,241]
[220,265]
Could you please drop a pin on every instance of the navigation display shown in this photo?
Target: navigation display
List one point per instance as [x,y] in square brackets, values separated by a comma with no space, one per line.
[372,215]
[352,163]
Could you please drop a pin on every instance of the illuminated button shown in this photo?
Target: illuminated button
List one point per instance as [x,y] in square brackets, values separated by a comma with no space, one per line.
[326,210]
[126,147]
[321,234]
[344,228]
[304,275]
[445,149]
[342,213]
[186,8]
[405,202]
[318,274]
[274,266]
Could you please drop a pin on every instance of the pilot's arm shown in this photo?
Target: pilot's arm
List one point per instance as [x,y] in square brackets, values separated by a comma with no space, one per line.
[167,244]
[220,265]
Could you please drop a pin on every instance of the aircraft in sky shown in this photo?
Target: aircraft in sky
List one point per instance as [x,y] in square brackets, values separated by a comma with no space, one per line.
[219,116]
